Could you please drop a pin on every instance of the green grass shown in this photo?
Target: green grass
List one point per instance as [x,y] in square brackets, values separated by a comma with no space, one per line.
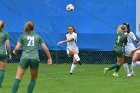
[86,79]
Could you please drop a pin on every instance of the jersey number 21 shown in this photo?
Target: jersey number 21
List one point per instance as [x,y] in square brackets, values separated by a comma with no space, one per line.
[30,41]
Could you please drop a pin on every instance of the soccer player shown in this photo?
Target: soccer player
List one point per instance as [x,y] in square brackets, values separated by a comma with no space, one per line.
[72,49]
[135,58]
[4,44]
[120,41]
[129,47]
[30,42]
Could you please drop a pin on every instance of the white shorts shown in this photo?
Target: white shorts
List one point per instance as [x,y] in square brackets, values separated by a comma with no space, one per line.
[138,51]
[128,48]
[68,50]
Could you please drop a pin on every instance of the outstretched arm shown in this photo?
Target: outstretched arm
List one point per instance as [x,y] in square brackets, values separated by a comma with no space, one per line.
[68,40]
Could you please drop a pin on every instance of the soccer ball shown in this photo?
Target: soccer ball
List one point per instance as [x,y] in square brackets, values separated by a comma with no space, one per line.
[70,7]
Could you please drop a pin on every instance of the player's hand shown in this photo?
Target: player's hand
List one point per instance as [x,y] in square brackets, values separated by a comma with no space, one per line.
[14,52]
[10,56]
[61,42]
[49,61]
[133,51]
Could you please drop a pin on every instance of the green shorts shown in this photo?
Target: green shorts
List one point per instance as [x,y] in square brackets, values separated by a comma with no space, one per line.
[3,57]
[32,63]
[119,53]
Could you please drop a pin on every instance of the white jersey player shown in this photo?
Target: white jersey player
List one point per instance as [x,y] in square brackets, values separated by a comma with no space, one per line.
[72,49]
[129,47]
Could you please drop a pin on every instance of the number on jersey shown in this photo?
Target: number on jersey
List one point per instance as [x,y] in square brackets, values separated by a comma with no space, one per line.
[30,41]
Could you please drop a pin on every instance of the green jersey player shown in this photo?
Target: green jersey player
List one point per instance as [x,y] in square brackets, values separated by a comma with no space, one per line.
[118,49]
[30,42]
[4,44]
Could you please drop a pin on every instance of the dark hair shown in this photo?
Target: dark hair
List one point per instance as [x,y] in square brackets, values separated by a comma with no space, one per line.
[29,26]
[74,30]
[2,25]
[128,27]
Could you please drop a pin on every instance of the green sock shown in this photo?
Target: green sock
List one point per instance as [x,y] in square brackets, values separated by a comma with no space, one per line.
[117,68]
[2,72]
[113,66]
[31,86]
[15,86]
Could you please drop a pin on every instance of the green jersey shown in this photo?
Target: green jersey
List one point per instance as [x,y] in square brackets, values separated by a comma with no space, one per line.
[120,41]
[3,37]
[30,43]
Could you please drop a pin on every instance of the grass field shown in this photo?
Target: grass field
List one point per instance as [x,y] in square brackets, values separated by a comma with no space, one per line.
[86,79]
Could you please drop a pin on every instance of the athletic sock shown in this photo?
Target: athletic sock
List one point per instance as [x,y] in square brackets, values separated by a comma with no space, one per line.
[2,72]
[133,66]
[77,58]
[15,86]
[126,68]
[112,66]
[31,86]
[117,68]
[73,66]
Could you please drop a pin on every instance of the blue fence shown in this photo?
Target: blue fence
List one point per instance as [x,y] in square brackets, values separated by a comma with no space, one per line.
[95,20]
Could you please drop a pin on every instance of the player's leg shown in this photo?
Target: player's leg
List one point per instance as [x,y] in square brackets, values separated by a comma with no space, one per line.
[134,60]
[2,71]
[23,65]
[74,53]
[3,63]
[125,65]
[34,65]
[73,66]
[120,61]
[19,75]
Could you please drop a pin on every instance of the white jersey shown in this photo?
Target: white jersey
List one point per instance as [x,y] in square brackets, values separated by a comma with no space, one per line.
[130,46]
[72,45]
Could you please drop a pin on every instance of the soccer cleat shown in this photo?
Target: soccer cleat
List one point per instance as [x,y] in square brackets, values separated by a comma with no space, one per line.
[79,63]
[131,74]
[105,70]
[115,74]
[71,73]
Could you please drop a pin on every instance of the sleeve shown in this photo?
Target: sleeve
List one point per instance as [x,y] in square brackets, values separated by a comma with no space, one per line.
[75,36]
[41,40]
[133,36]
[20,39]
[7,36]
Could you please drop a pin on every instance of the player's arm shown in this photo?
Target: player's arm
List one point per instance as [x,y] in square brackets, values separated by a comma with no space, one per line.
[17,48]
[8,48]
[47,52]
[68,40]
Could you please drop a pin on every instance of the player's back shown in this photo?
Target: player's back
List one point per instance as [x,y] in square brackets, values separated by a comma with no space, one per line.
[3,37]
[30,42]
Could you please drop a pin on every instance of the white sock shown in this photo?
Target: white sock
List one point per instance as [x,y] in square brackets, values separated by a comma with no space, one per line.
[73,66]
[126,68]
[133,66]
[77,58]
[138,63]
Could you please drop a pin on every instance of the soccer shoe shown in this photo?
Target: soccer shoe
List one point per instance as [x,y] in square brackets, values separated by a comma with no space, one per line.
[115,74]
[71,73]
[79,63]
[105,70]
[131,74]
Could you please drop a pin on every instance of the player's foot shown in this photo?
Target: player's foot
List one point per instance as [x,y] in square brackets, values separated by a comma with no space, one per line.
[105,70]
[71,73]
[115,74]
[131,74]
[79,63]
